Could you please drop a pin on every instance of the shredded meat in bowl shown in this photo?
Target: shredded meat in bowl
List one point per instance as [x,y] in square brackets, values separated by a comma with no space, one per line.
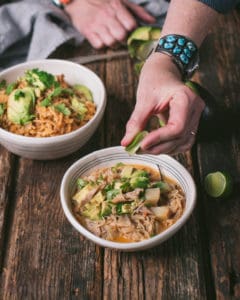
[127,203]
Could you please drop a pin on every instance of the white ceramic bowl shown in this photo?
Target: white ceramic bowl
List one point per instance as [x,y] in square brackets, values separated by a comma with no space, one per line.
[62,145]
[109,157]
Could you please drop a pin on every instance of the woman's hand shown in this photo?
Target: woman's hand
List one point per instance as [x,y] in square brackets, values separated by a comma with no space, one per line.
[105,23]
[161,91]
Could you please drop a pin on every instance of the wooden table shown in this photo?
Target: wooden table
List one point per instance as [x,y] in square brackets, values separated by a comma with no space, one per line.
[43,257]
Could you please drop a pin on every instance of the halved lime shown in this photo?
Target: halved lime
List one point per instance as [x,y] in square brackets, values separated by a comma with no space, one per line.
[218,184]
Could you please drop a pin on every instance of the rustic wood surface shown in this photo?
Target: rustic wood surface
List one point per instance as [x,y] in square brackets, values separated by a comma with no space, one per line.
[43,257]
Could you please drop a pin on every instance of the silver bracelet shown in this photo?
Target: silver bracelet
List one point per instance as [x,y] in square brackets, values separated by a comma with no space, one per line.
[182,50]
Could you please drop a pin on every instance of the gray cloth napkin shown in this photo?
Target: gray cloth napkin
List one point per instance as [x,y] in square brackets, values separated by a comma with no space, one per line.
[32,30]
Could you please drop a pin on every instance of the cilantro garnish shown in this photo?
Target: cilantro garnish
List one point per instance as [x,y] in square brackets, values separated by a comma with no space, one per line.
[35,74]
[62,109]
[1,109]
[3,84]
[10,88]
[18,94]
[55,93]
[46,102]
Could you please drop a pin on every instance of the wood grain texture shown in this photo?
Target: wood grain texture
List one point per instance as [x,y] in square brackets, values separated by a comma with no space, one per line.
[46,259]
[8,176]
[220,73]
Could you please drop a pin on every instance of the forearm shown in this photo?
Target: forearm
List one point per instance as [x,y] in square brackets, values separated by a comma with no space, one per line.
[190,18]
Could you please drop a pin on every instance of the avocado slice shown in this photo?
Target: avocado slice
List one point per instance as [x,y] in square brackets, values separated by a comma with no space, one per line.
[145,49]
[155,33]
[106,209]
[20,106]
[92,209]
[127,171]
[78,106]
[140,34]
[140,42]
[82,89]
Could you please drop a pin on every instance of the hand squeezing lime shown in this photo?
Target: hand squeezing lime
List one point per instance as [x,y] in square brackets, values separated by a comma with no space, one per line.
[218,184]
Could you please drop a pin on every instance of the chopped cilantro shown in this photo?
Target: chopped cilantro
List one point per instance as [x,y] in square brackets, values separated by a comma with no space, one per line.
[108,187]
[1,109]
[26,119]
[126,187]
[33,75]
[3,84]
[10,88]
[62,109]
[18,94]
[56,92]
[56,84]
[81,183]
[45,102]
[61,91]
[112,193]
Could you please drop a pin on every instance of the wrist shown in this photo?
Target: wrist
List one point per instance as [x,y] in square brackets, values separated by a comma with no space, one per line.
[165,65]
[183,52]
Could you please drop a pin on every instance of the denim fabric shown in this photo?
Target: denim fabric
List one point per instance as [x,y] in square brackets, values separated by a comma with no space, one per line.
[222,6]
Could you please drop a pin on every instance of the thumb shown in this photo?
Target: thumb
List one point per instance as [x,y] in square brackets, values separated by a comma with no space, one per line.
[135,124]
[140,12]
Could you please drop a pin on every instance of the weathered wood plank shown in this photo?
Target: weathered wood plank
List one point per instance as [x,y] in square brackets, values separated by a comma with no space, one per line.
[7,182]
[46,258]
[221,74]
[120,81]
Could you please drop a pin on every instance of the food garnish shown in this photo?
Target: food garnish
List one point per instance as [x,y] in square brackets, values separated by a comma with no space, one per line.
[42,104]
[127,202]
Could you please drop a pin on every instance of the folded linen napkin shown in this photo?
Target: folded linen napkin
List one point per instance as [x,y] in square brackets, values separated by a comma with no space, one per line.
[32,30]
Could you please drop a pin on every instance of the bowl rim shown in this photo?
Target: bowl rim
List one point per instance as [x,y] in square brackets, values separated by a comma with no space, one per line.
[161,237]
[58,138]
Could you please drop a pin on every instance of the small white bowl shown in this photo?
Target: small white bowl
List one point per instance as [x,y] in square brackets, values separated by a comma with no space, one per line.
[109,157]
[61,145]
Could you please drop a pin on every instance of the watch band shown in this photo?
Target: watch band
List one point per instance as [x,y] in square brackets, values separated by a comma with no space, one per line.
[61,3]
[183,51]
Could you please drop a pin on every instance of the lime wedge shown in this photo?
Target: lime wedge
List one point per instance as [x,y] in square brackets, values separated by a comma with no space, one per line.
[193,86]
[218,184]
[135,145]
